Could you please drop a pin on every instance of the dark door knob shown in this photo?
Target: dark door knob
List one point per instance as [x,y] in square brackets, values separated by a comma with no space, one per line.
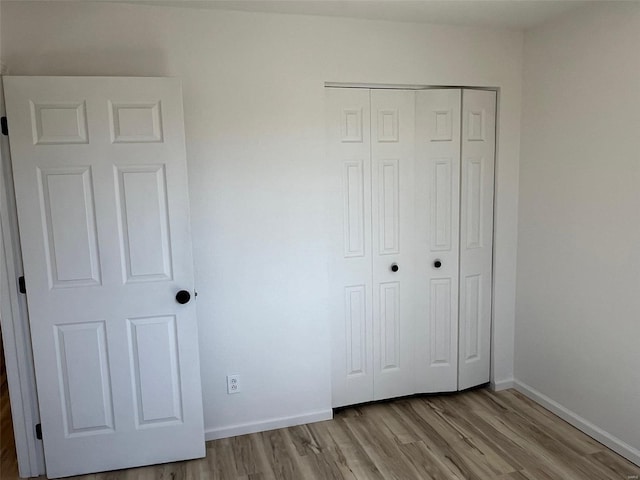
[437,264]
[183,297]
[394,267]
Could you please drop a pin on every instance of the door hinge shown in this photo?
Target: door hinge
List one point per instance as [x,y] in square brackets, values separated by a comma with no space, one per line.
[5,126]
[39,431]
[22,286]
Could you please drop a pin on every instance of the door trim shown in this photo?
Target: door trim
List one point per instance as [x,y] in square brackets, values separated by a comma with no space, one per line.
[398,86]
[14,323]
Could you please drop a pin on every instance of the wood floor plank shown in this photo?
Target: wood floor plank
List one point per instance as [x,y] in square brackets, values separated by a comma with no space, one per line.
[220,461]
[513,476]
[524,434]
[618,466]
[565,452]
[474,435]
[515,448]
[478,459]
[533,473]
[395,427]
[445,446]
[380,449]
[284,464]
[468,420]
[246,458]
[483,447]
[306,441]
[580,442]
[8,460]
[428,463]
[265,470]
[349,453]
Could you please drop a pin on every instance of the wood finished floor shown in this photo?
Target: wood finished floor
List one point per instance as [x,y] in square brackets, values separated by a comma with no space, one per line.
[469,436]
[8,462]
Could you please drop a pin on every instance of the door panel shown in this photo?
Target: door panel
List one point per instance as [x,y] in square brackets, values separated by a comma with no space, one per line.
[440,318]
[389,206]
[356,344]
[84,376]
[101,189]
[476,236]
[154,367]
[437,235]
[392,157]
[145,245]
[442,213]
[390,325]
[349,153]
[66,199]
[354,208]
[59,123]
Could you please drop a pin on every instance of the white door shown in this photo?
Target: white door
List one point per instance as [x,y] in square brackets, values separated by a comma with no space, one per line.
[392,200]
[476,236]
[100,175]
[437,222]
[370,142]
[349,154]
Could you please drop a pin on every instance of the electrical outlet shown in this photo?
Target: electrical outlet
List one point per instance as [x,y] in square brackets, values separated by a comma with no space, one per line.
[233,384]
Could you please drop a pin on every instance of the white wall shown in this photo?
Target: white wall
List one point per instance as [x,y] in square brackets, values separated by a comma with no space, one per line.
[254,103]
[578,294]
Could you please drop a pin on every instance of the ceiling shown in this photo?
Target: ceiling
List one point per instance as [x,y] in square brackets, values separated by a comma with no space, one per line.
[510,14]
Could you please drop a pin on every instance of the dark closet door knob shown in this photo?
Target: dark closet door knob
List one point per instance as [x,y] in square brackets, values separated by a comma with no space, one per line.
[395,267]
[183,297]
[437,264]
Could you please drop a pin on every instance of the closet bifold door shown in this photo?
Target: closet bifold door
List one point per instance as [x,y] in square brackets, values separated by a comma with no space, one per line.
[349,221]
[476,236]
[437,218]
[394,266]
[411,218]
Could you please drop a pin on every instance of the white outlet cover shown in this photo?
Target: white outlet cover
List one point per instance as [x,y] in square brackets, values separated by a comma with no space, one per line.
[233,384]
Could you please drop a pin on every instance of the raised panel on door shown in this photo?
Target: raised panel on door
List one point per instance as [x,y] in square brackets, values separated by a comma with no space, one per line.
[390,328]
[101,189]
[59,123]
[135,122]
[84,378]
[70,237]
[348,157]
[392,157]
[476,236]
[437,180]
[153,353]
[143,222]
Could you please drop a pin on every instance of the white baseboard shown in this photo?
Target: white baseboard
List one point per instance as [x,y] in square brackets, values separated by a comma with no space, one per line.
[597,433]
[263,426]
[501,385]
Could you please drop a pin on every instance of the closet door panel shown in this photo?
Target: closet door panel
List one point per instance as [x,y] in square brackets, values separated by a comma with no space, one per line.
[437,207]
[476,236]
[392,156]
[349,157]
